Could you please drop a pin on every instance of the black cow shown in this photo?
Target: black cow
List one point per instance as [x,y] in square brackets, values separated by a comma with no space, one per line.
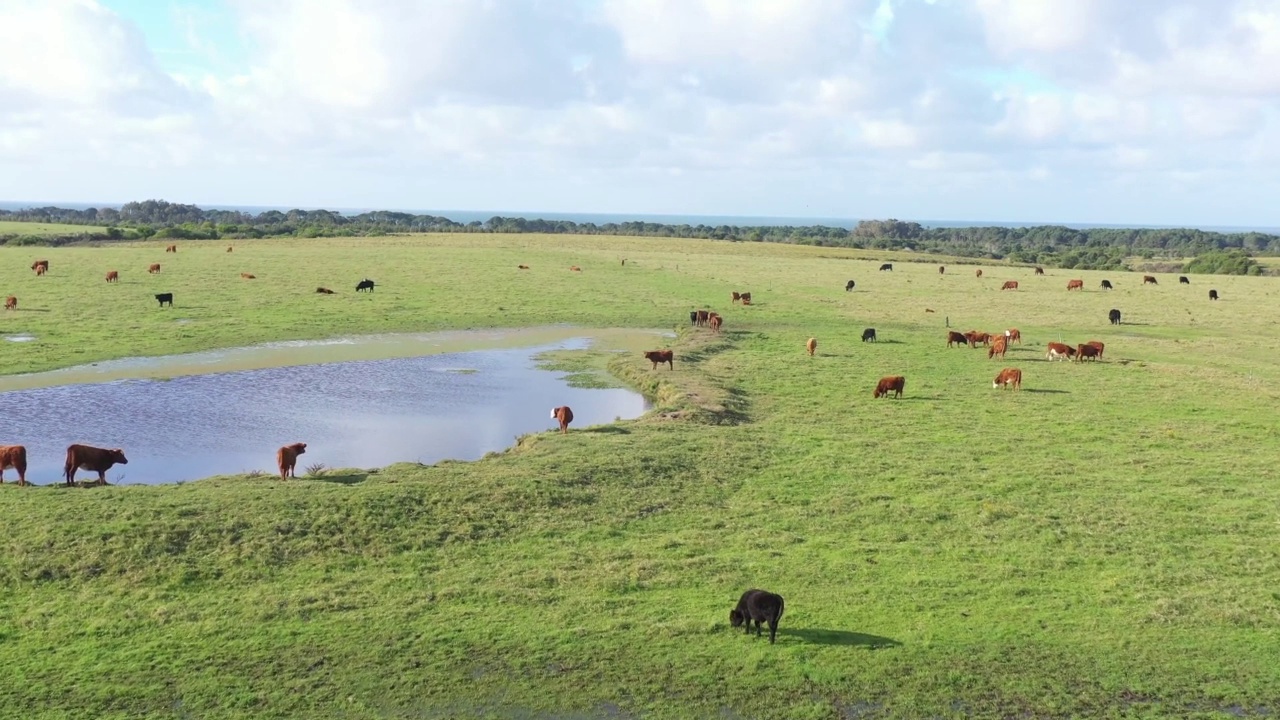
[869,334]
[848,286]
[758,606]
[1213,294]
[1182,279]
[1114,315]
[1106,285]
[165,298]
[693,316]
[365,284]
[887,266]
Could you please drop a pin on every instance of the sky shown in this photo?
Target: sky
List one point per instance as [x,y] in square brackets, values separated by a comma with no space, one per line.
[1093,111]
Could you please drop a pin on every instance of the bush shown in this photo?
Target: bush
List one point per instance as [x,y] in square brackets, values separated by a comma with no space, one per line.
[1230,262]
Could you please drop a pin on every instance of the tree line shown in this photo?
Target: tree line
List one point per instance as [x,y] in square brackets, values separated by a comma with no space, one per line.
[1053,245]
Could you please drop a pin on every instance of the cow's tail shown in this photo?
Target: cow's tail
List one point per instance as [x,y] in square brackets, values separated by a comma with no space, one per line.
[778,618]
[69,467]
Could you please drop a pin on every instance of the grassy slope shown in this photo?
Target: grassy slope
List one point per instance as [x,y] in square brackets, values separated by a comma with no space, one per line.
[1102,543]
[14,227]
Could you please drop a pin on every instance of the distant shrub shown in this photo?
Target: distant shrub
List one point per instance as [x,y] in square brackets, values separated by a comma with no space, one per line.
[1220,262]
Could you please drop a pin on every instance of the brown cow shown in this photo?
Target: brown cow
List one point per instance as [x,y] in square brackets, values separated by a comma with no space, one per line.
[1009,285]
[976,337]
[1007,377]
[40,266]
[746,298]
[1149,280]
[564,416]
[154,268]
[955,339]
[228,248]
[14,456]
[113,276]
[734,296]
[715,321]
[575,268]
[1086,351]
[979,273]
[11,303]
[811,346]
[522,267]
[892,384]
[657,357]
[287,459]
[248,276]
[1075,285]
[93,459]
[1059,350]
[171,248]
[1098,344]
[1039,270]
[324,291]
[942,269]
[998,347]
[1013,335]
[703,318]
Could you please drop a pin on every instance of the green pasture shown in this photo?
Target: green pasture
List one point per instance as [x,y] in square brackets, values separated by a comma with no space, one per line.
[1102,543]
[16,227]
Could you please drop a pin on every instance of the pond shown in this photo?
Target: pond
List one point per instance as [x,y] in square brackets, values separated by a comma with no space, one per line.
[351,414]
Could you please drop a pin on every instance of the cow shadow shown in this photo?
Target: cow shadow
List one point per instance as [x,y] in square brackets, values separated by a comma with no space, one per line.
[346,478]
[885,342]
[608,430]
[1046,391]
[821,636]
[917,399]
[31,309]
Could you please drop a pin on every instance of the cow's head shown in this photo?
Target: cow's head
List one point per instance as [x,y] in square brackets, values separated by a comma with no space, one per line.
[299,448]
[736,618]
[117,456]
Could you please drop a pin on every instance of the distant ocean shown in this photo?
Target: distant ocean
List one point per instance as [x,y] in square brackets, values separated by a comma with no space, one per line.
[466,216]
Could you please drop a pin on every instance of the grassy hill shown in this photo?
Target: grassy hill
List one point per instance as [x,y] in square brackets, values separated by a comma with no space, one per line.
[15,227]
[1102,543]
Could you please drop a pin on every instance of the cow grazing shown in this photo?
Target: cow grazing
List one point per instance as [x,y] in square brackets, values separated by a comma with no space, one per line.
[998,347]
[92,459]
[746,298]
[714,321]
[869,334]
[1075,285]
[563,415]
[1213,294]
[624,262]
[693,317]
[165,298]
[1013,335]
[1059,350]
[887,266]
[14,456]
[942,269]
[1149,280]
[1106,285]
[113,276]
[40,266]
[978,274]
[811,345]
[955,339]
[1182,280]
[11,303]
[153,268]
[758,606]
[734,296]
[849,286]
[704,317]
[365,284]
[324,291]
[1007,377]
[657,357]
[1087,351]
[287,459]
[1009,285]
[248,276]
[228,248]
[522,267]
[1114,316]
[892,384]
[574,268]
[1097,344]
[1039,270]
[976,337]
[171,248]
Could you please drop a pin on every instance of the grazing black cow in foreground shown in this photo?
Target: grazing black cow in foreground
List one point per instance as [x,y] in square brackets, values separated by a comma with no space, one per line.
[1182,279]
[887,266]
[1106,285]
[758,606]
[693,316]
[869,334]
[365,284]
[165,298]
[848,286]
[1213,294]
[1114,316]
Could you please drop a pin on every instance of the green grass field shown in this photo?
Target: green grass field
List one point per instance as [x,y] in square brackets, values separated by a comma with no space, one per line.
[14,227]
[1102,543]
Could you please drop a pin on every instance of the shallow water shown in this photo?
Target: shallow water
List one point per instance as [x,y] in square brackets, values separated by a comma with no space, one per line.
[361,414]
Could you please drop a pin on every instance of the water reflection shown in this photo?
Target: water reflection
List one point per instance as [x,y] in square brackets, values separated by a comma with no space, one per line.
[351,414]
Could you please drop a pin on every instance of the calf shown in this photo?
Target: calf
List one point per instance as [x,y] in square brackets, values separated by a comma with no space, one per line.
[1059,350]
[324,291]
[365,284]
[714,321]
[1087,351]
[998,347]
[734,297]
[113,276]
[1007,377]
[657,357]
[758,606]
[955,339]
[1106,285]
[1013,335]
[1182,279]
[1149,280]
[1039,271]
[1213,294]
[811,346]
[562,415]
[11,303]
[887,266]
[1075,285]
[153,268]
[892,384]
[287,459]
[1114,316]
[693,317]
[1009,285]
[14,456]
[849,286]
[165,298]
[869,334]
[1097,344]
[93,459]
